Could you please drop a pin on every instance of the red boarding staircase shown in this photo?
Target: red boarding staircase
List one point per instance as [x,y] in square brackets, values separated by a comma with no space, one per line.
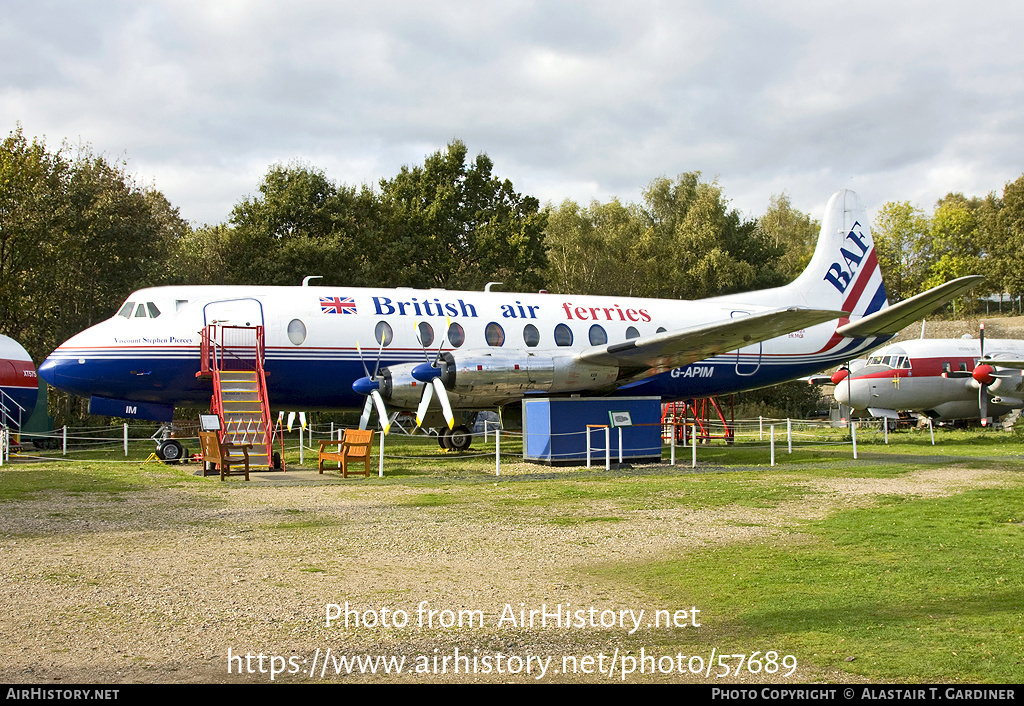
[233,357]
[681,415]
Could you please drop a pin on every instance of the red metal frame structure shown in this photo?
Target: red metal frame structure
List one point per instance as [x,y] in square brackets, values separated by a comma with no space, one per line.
[238,349]
[698,412]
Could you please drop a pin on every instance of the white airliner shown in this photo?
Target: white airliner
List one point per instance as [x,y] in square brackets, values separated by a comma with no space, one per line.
[944,379]
[408,349]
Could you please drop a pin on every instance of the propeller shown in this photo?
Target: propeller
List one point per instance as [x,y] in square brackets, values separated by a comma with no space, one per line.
[430,373]
[370,386]
[983,374]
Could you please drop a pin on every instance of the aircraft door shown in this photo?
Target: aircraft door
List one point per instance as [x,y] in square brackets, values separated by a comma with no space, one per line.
[748,358]
[235,320]
[234,312]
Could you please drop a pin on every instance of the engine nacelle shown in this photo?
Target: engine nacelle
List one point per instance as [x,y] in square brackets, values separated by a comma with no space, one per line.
[493,376]
[497,373]
[399,387]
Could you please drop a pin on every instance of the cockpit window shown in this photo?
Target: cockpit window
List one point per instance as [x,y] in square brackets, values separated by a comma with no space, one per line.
[892,361]
[143,310]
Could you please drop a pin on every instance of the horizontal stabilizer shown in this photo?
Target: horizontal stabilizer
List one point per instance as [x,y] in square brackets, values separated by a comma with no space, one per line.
[651,355]
[817,380]
[895,318]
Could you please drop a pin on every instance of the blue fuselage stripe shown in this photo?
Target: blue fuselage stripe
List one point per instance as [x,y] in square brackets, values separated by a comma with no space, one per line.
[326,382]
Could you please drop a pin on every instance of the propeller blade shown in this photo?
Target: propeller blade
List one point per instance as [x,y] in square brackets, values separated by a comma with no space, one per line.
[380,351]
[419,340]
[448,326]
[421,411]
[446,405]
[360,352]
[364,418]
[382,411]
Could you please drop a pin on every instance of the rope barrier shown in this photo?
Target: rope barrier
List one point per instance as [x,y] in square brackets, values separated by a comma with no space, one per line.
[746,434]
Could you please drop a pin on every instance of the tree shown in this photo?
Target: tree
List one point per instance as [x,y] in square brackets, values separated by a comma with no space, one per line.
[683,242]
[953,246]
[453,224]
[300,224]
[77,234]
[901,231]
[1004,219]
[793,232]
[699,247]
[31,212]
[592,250]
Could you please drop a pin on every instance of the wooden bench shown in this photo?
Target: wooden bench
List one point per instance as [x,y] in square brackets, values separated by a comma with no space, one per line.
[355,445]
[217,454]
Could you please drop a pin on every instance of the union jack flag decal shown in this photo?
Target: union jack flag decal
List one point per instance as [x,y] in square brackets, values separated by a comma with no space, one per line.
[337,305]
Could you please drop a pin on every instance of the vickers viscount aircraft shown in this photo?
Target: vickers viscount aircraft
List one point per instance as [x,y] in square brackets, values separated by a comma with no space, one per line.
[944,379]
[405,349]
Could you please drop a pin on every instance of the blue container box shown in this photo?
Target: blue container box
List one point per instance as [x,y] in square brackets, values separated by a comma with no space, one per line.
[555,429]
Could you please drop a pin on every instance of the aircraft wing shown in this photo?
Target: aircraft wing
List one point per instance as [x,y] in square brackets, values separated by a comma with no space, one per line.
[895,318]
[1003,363]
[651,355]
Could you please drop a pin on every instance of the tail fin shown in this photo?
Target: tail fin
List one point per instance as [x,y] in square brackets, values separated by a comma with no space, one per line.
[843,273]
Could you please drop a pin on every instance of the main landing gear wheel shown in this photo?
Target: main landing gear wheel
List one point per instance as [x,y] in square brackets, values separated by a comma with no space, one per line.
[170,451]
[458,439]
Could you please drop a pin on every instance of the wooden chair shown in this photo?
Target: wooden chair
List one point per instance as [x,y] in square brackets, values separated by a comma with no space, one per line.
[218,455]
[355,445]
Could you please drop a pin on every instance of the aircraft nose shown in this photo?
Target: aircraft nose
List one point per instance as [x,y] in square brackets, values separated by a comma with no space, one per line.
[851,394]
[62,372]
[48,371]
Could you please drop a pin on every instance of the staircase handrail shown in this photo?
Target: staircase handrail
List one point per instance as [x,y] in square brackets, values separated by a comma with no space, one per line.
[6,415]
[214,353]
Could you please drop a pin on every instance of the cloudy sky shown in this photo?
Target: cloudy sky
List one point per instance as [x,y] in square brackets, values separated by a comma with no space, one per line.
[583,100]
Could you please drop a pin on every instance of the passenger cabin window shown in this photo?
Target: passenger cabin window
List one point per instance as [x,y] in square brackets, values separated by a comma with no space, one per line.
[531,336]
[456,335]
[963,367]
[426,333]
[563,335]
[631,332]
[494,334]
[383,333]
[946,367]
[296,332]
[598,336]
